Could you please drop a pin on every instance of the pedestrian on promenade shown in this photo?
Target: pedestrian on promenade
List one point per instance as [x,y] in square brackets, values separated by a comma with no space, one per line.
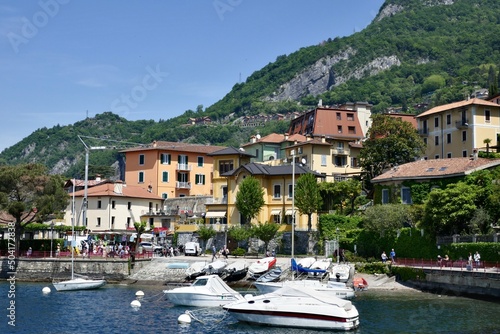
[30,251]
[384,257]
[214,253]
[440,261]
[477,259]
[446,260]
[393,256]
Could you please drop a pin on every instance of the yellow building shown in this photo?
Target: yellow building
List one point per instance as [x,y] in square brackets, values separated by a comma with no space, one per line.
[171,169]
[276,181]
[459,129]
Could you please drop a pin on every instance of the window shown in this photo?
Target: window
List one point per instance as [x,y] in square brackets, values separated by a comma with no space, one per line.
[339,116]
[425,141]
[141,177]
[112,221]
[113,204]
[257,154]
[405,195]
[290,191]
[183,161]
[141,159]
[351,129]
[164,177]
[99,204]
[448,155]
[199,179]
[323,160]
[182,177]
[436,140]
[276,218]
[277,191]
[436,122]
[448,119]
[129,205]
[464,154]
[436,156]
[165,158]
[354,162]
[339,128]
[448,138]
[340,161]
[385,196]
[464,135]
[350,117]
[225,166]
[200,161]
[487,116]
[128,221]
[164,195]
[98,222]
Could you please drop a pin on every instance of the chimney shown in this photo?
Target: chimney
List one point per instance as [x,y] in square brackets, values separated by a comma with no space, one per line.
[98,177]
[154,143]
[286,136]
[118,187]
[323,139]
[320,103]
[308,137]
[252,139]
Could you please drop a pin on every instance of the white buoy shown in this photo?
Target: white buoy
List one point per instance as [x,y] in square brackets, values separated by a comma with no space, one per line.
[139,293]
[135,303]
[184,319]
[46,289]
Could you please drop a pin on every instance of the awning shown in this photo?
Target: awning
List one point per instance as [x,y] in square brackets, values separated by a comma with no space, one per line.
[215,214]
[289,212]
[275,212]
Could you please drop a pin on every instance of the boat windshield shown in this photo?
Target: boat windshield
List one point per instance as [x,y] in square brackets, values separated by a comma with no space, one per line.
[200,282]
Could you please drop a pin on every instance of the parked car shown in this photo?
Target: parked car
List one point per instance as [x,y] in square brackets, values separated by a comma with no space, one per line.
[192,248]
[150,247]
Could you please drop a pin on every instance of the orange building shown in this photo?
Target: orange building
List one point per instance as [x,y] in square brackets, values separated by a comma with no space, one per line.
[171,169]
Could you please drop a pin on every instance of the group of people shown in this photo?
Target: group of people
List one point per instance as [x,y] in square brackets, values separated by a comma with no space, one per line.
[392,256]
[474,259]
[443,261]
[222,252]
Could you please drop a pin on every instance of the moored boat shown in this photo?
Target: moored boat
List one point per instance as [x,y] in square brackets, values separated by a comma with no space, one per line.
[340,272]
[339,290]
[215,268]
[195,269]
[235,271]
[261,266]
[271,276]
[292,307]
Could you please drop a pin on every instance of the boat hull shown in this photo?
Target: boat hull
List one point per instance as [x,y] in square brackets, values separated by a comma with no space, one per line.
[201,300]
[78,284]
[326,289]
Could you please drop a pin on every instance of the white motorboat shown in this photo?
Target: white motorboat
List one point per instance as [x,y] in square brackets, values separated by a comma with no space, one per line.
[78,284]
[215,268]
[236,270]
[196,269]
[261,266]
[340,290]
[340,272]
[205,291]
[293,307]
[319,268]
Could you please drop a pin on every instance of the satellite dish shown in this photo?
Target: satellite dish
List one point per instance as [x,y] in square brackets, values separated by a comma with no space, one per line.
[257,136]
[303,161]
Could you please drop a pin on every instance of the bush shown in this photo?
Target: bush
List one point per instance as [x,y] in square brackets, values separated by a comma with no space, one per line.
[238,252]
[408,273]
[373,268]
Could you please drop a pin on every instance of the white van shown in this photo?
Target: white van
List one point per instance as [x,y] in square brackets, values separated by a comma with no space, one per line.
[192,248]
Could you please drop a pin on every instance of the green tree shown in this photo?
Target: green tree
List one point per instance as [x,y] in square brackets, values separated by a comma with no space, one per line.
[390,142]
[386,219]
[250,198]
[238,233]
[307,197]
[265,232]
[140,228]
[29,194]
[349,190]
[205,233]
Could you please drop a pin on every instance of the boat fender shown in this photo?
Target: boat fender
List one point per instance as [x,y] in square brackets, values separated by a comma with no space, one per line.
[184,319]
[139,293]
[135,304]
[46,290]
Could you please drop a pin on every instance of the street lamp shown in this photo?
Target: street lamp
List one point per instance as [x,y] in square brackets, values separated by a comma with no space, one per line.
[293,203]
[338,246]
[51,236]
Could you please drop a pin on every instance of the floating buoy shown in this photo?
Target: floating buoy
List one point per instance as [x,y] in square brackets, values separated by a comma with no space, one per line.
[139,293]
[135,303]
[46,289]
[184,319]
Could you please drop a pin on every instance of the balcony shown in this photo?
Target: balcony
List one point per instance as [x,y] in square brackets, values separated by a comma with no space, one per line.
[462,124]
[184,167]
[423,131]
[340,151]
[183,185]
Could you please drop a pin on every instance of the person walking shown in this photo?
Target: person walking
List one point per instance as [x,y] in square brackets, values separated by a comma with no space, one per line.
[214,252]
[393,256]
[384,257]
[477,260]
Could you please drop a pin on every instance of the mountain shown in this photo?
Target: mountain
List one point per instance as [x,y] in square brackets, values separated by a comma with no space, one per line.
[414,55]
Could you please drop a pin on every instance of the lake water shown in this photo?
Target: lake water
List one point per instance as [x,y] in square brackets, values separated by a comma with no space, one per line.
[108,310]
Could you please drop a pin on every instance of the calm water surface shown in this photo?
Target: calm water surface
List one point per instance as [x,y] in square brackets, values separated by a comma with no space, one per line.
[108,310]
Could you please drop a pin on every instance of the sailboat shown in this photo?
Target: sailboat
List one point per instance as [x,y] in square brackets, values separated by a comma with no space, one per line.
[77,282]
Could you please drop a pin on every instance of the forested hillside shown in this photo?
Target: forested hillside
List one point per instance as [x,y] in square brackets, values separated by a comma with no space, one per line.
[415,53]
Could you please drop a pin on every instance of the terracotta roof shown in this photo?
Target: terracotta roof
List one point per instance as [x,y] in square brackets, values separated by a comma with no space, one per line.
[410,118]
[108,189]
[456,105]
[176,146]
[276,138]
[81,183]
[436,168]
[313,141]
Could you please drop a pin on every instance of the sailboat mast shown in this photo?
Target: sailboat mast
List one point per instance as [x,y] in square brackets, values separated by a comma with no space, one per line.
[73,242]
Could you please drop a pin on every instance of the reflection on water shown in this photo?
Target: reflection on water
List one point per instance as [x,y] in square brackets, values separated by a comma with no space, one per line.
[108,310]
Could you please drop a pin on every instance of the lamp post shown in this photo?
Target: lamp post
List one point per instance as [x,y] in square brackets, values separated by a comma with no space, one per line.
[51,236]
[293,204]
[338,246]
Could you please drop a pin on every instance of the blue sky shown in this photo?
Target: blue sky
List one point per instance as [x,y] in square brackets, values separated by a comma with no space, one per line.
[62,59]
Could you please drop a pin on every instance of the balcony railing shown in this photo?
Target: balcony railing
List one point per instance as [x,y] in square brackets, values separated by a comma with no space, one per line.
[462,124]
[184,167]
[423,131]
[340,151]
[183,185]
